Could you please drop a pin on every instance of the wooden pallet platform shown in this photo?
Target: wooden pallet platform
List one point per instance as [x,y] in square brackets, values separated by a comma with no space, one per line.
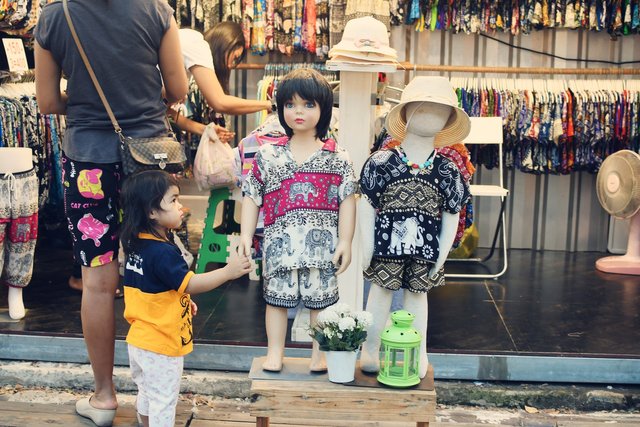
[297,394]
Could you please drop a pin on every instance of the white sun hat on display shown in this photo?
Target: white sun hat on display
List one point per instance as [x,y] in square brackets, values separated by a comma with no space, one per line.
[437,90]
[364,35]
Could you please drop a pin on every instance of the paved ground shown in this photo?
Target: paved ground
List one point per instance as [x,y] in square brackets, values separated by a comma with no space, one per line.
[43,394]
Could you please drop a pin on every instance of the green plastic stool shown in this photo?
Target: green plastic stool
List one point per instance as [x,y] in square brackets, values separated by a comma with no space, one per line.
[214,246]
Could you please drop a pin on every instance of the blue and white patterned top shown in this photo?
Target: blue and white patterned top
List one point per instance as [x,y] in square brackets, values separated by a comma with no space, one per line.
[409,206]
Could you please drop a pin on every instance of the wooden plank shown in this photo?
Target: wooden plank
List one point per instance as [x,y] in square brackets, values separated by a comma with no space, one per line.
[304,399]
[37,414]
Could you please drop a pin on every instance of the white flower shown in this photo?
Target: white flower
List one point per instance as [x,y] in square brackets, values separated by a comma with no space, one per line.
[364,319]
[346,324]
[327,316]
[340,329]
[341,309]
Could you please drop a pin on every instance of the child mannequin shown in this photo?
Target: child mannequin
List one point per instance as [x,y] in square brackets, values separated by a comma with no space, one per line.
[157,289]
[412,208]
[306,185]
[18,223]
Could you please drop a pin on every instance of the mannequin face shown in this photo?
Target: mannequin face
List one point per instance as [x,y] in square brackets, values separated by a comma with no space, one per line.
[426,118]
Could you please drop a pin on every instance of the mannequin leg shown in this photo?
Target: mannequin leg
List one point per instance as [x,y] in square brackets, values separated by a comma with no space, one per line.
[276,325]
[416,303]
[16,305]
[98,328]
[378,305]
[318,362]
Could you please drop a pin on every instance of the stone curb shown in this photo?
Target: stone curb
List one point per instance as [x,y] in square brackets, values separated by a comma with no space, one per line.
[237,385]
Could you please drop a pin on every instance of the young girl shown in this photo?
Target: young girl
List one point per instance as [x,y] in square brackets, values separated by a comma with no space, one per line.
[305,184]
[157,285]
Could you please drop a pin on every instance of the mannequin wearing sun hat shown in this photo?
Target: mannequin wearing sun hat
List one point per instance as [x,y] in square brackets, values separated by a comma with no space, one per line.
[412,198]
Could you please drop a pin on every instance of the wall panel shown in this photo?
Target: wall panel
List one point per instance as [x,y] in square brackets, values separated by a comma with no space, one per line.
[543,211]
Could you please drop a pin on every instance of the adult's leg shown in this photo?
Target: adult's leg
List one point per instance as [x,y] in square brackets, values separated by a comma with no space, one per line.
[276,325]
[378,305]
[75,279]
[98,327]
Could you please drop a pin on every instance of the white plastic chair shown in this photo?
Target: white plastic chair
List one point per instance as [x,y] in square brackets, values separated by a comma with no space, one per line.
[488,130]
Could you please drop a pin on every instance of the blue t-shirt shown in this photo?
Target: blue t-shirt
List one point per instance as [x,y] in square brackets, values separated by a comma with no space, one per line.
[122,40]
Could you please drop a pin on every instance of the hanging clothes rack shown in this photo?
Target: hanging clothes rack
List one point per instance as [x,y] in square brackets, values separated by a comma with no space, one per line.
[407,66]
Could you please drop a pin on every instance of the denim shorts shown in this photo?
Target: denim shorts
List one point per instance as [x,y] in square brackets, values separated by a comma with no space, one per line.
[92,208]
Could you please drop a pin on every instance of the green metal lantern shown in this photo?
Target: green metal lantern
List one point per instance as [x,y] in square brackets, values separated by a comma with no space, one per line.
[399,362]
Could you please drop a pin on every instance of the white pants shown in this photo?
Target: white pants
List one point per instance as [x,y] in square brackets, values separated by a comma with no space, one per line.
[158,379]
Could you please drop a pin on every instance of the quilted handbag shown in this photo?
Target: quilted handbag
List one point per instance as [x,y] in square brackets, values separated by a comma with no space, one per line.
[156,152]
[160,152]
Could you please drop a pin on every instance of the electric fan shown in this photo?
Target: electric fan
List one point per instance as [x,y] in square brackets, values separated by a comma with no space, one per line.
[618,188]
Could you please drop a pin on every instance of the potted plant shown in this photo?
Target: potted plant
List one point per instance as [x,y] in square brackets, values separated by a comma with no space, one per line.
[339,333]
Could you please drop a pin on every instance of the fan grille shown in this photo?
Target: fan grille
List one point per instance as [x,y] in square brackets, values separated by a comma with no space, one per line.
[618,185]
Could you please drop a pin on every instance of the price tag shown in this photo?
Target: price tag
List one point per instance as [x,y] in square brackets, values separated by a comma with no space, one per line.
[16,56]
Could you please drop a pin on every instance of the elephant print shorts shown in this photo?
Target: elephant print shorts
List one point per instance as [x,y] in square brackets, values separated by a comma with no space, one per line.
[404,273]
[318,288]
[91,192]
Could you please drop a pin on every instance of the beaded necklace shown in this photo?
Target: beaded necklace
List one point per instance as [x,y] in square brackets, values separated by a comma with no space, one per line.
[416,167]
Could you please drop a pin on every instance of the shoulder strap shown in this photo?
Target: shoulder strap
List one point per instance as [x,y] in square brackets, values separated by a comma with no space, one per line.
[94,79]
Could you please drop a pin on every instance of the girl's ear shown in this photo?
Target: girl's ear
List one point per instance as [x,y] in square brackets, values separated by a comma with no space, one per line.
[153,214]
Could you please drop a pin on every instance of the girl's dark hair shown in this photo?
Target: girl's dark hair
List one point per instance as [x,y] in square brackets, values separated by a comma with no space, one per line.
[309,85]
[142,193]
[223,39]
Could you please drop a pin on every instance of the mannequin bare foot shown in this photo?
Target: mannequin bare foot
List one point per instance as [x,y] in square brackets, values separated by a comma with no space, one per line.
[16,305]
[273,362]
[318,363]
[369,361]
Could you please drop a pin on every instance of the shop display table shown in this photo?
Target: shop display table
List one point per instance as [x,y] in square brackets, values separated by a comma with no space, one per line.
[296,394]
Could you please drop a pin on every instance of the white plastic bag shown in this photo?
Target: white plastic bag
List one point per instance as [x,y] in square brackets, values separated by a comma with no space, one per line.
[214,163]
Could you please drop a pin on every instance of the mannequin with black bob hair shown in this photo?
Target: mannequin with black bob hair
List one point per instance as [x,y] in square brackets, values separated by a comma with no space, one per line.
[310,87]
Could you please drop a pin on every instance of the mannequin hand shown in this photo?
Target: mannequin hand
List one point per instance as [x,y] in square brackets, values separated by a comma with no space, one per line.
[224,134]
[436,267]
[342,256]
[246,244]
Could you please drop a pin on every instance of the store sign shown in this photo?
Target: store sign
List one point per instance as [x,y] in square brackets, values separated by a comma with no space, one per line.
[16,57]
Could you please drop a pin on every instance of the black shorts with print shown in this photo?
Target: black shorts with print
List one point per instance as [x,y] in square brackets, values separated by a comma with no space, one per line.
[91,204]
[409,274]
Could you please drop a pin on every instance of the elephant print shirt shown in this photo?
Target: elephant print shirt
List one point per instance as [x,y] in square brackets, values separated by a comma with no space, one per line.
[300,203]
[409,206]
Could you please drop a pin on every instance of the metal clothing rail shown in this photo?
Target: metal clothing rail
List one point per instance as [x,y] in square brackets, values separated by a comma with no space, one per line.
[407,66]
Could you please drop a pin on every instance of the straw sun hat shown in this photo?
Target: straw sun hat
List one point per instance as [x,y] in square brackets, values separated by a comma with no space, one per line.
[437,90]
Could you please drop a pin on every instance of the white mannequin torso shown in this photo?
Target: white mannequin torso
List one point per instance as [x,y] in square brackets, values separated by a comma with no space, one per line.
[15,159]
